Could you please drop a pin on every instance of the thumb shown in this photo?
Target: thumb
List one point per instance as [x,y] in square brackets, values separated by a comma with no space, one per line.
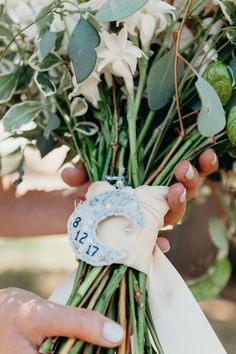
[89,326]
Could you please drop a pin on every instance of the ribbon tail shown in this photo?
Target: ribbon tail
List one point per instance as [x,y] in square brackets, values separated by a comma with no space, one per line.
[62,293]
[180,323]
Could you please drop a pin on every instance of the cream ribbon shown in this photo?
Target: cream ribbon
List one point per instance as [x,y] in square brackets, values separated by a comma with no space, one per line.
[181,325]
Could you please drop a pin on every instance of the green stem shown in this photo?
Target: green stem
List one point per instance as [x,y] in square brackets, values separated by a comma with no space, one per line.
[132,310]
[146,127]
[121,167]
[177,157]
[141,310]
[76,281]
[85,286]
[68,125]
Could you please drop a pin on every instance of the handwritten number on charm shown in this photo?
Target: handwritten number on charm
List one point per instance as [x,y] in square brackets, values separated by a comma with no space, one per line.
[92,250]
[81,240]
[77,221]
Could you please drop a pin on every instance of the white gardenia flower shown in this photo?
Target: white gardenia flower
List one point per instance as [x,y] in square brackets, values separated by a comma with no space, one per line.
[118,56]
[88,89]
[150,20]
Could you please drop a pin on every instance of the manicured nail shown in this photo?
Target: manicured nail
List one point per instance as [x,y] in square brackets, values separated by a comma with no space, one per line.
[190,173]
[182,198]
[214,161]
[112,332]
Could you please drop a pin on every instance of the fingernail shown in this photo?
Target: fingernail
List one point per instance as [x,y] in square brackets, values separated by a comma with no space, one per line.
[112,332]
[190,173]
[214,161]
[182,198]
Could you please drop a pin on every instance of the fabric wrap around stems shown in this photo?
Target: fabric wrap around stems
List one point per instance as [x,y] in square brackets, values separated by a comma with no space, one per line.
[180,324]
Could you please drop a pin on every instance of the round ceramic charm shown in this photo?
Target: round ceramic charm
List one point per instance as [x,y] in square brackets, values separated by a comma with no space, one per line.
[84,221]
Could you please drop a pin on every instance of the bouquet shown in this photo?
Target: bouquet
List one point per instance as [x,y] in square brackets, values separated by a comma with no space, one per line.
[132,87]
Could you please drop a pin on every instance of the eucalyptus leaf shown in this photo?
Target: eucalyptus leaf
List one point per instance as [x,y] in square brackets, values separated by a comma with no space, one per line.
[83,42]
[218,234]
[161,80]
[8,84]
[78,107]
[211,284]
[53,123]
[86,128]
[46,44]
[220,78]
[114,10]
[44,84]
[231,125]
[21,114]
[49,62]
[211,119]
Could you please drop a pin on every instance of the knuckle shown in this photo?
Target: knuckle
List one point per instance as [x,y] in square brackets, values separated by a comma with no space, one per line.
[28,311]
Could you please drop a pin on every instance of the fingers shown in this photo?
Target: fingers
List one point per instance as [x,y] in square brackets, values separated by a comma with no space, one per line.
[89,326]
[188,176]
[75,176]
[208,162]
[163,244]
[177,202]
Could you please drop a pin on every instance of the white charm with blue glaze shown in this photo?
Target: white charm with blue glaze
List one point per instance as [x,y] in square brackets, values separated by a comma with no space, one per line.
[84,221]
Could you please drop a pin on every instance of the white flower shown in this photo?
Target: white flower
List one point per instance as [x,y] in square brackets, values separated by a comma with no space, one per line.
[88,89]
[150,20]
[118,56]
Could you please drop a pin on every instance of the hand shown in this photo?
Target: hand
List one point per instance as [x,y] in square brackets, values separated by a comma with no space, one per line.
[26,319]
[188,178]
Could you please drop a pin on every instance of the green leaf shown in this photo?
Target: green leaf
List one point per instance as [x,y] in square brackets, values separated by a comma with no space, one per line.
[232,65]
[218,234]
[45,145]
[44,84]
[5,32]
[46,44]
[114,10]
[78,107]
[66,80]
[21,114]
[53,124]
[86,128]
[1,9]
[8,84]
[229,10]
[26,76]
[211,119]
[218,75]
[211,284]
[231,125]
[83,42]
[161,81]
[45,18]
[49,62]
[21,172]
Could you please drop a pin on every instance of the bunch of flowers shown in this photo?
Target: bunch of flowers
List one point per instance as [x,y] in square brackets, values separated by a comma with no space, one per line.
[132,87]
